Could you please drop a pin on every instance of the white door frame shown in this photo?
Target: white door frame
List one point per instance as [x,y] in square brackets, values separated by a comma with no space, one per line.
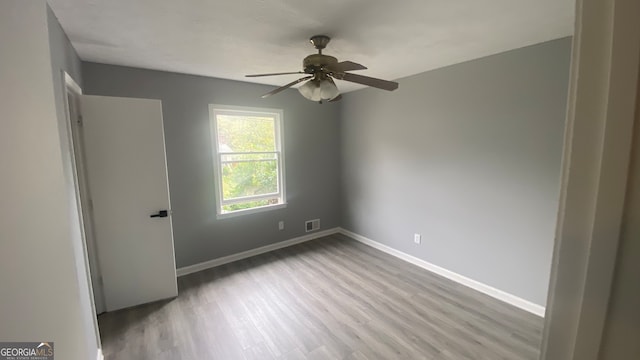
[601,107]
[82,192]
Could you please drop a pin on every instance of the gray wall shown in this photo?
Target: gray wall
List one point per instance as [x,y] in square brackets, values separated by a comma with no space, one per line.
[311,137]
[468,156]
[42,296]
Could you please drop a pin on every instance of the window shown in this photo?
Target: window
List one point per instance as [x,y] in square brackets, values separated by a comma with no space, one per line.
[248,157]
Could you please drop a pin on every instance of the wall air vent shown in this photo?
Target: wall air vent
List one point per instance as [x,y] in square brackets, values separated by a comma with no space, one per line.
[312,225]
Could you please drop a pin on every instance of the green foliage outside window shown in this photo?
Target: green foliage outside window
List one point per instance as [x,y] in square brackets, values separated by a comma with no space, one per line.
[247,174]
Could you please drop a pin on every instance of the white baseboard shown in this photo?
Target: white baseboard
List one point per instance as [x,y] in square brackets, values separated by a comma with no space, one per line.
[253,252]
[100,356]
[473,284]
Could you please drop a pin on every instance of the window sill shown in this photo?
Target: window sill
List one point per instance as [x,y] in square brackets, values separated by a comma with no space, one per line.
[251,211]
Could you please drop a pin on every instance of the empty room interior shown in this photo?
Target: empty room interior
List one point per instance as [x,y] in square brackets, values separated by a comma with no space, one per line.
[293,180]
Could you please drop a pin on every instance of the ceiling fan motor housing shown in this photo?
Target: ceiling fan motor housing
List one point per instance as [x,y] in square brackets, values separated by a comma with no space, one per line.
[314,63]
[320,41]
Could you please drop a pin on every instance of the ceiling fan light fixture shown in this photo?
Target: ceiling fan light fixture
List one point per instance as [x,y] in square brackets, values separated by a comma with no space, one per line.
[328,89]
[318,90]
[311,90]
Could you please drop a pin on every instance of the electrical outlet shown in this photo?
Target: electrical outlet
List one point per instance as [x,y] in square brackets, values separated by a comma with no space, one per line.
[280,225]
[417,238]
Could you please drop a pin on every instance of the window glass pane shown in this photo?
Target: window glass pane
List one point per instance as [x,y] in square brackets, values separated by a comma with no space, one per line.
[248,155]
[238,133]
[249,178]
[249,205]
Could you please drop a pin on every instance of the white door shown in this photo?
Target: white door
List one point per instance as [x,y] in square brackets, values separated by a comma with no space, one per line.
[129,190]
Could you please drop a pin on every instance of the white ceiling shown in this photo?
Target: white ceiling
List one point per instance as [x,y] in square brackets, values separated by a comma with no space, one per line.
[230,38]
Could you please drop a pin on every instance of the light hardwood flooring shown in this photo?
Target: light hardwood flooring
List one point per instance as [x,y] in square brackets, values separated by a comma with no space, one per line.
[331,298]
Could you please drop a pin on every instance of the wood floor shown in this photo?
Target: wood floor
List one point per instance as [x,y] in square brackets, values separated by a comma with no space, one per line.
[331,298]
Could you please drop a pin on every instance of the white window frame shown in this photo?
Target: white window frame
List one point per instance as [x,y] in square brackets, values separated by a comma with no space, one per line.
[278,116]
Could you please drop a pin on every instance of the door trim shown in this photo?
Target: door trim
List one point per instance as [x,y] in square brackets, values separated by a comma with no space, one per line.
[88,241]
[597,147]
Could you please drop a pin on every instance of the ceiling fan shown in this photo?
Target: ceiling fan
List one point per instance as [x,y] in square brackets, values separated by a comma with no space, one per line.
[321,70]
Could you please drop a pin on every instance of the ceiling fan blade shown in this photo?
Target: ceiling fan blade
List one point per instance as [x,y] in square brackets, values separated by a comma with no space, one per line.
[337,98]
[369,81]
[274,74]
[345,66]
[282,88]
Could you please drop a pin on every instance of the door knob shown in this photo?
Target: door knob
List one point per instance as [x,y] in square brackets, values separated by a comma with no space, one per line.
[161,213]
